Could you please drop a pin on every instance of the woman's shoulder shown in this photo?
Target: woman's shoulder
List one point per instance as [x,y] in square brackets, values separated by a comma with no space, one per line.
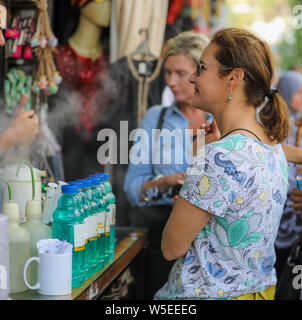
[228,168]
[241,153]
[152,115]
[154,110]
[241,143]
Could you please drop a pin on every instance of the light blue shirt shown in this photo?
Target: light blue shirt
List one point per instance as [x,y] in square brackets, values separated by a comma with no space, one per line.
[138,174]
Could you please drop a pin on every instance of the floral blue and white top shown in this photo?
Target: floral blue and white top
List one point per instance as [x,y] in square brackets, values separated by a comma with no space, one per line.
[244,185]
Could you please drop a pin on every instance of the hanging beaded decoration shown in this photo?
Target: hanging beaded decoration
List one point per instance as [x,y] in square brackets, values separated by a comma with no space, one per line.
[44,42]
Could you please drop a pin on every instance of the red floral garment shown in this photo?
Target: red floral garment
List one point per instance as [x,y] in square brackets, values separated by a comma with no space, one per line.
[85,77]
[174,10]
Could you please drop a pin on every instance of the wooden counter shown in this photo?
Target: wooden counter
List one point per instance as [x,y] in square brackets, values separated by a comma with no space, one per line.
[129,244]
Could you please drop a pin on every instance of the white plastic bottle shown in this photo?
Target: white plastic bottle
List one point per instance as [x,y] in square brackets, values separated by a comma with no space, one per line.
[4,257]
[49,206]
[19,247]
[37,230]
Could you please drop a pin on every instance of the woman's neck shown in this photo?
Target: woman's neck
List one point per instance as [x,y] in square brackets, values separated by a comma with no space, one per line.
[86,40]
[233,117]
[240,116]
[185,107]
[191,113]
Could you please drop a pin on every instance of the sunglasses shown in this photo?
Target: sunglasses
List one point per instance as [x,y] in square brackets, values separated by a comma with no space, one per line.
[200,67]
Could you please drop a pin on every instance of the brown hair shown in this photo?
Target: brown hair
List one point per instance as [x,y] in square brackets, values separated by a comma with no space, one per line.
[239,48]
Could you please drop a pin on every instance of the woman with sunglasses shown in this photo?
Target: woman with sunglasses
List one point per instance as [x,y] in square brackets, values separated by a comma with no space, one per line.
[150,186]
[223,225]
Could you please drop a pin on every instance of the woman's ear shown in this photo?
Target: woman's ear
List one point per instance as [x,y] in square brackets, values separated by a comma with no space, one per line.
[235,77]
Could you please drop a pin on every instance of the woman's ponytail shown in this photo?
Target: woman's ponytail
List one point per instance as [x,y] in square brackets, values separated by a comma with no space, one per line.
[274,118]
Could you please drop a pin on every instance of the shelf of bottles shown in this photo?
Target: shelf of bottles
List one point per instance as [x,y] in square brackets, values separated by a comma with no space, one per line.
[85,217]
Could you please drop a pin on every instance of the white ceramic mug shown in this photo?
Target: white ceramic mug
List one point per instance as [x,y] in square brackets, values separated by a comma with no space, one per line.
[54,274]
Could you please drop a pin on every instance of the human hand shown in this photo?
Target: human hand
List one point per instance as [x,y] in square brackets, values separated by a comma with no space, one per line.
[298,122]
[173,200]
[169,181]
[24,127]
[212,132]
[296,197]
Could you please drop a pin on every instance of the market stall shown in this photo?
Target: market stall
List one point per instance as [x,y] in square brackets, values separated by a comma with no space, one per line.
[84,66]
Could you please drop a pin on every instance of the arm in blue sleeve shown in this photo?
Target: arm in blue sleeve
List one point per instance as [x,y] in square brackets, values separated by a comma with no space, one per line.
[138,174]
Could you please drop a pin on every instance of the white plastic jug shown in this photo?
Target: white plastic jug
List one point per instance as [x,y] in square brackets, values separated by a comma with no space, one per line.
[19,248]
[22,185]
[19,243]
[37,231]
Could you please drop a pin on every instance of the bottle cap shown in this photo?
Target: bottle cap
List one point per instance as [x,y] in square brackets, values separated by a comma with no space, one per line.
[33,208]
[11,210]
[100,176]
[106,176]
[86,182]
[62,183]
[79,184]
[69,189]
[95,181]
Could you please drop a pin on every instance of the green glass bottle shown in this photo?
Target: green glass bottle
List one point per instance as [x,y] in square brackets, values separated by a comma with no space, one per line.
[112,206]
[91,220]
[68,225]
[86,209]
[112,201]
[103,249]
[107,225]
[83,209]
[101,242]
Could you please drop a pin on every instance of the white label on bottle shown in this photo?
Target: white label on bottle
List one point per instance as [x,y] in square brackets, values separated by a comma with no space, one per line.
[79,237]
[108,221]
[89,227]
[101,222]
[93,226]
[113,206]
[86,228]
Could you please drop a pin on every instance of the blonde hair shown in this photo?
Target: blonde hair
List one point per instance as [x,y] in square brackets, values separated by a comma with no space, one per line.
[189,43]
